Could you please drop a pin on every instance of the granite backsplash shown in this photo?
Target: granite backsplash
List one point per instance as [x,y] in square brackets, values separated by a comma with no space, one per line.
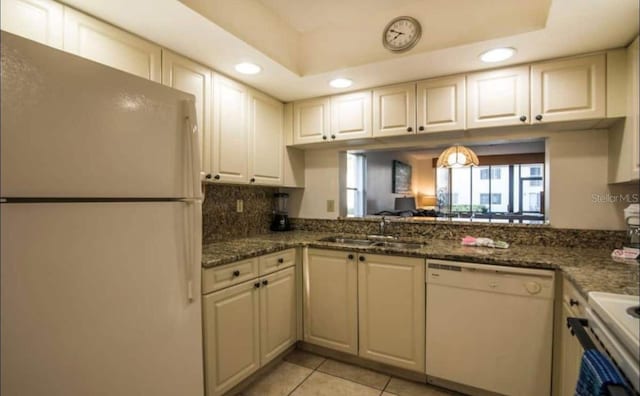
[221,221]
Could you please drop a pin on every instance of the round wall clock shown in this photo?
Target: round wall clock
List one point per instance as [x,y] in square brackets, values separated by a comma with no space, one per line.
[401,34]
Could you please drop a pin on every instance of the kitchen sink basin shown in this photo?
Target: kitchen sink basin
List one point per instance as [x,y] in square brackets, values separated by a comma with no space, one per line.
[347,241]
[399,245]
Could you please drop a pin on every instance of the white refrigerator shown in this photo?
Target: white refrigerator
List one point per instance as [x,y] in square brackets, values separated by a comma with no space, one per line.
[100,216]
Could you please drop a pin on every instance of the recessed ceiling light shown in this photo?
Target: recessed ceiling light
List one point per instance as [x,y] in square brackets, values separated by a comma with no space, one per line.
[248,68]
[340,83]
[497,54]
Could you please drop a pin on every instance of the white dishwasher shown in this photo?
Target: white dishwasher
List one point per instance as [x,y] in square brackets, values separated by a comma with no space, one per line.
[490,327]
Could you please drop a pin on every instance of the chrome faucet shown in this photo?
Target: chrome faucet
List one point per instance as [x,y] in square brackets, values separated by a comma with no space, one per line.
[383,225]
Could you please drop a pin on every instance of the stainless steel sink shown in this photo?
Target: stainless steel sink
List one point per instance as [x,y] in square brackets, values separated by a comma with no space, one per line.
[399,245]
[347,241]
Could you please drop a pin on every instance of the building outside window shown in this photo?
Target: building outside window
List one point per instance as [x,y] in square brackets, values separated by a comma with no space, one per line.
[508,190]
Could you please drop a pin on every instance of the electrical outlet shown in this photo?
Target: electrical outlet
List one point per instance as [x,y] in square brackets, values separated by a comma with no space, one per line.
[331,205]
[239,206]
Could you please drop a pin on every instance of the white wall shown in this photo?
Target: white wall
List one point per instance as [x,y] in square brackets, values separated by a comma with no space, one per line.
[379,179]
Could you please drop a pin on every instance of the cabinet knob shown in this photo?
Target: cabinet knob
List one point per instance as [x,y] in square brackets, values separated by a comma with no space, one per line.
[280,260]
[409,129]
[324,137]
[573,302]
[350,257]
[333,136]
[256,285]
[523,118]
[421,128]
[361,258]
[217,177]
[265,282]
[208,176]
[539,117]
[252,180]
[236,273]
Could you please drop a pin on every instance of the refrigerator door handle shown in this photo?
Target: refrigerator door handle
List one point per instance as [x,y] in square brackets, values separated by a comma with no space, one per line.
[192,237]
[193,154]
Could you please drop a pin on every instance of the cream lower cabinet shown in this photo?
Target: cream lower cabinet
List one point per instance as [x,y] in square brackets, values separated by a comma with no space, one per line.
[571,356]
[103,43]
[330,299]
[248,324]
[37,20]
[391,302]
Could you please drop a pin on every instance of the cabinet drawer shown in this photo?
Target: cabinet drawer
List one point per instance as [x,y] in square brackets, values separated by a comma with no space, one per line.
[227,275]
[574,300]
[277,261]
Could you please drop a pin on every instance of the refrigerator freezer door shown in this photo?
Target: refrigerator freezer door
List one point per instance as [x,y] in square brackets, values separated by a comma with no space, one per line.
[75,128]
[95,299]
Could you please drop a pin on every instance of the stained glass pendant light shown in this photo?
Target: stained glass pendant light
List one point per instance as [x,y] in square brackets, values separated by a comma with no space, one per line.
[457,157]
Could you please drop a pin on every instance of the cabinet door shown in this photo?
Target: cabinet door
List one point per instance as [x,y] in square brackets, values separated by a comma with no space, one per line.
[278,324]
[498,97]
[394,110]
[230,131]
[37,20]
[441,104]
[311,121]
[572,89]
[103,43]
[266,150]
[330,300]
[351,116]
[571,356]
[391,307]
[185,75]
[231,336]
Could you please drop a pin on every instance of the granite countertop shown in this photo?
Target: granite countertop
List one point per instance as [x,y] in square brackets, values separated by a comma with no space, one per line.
[589,269]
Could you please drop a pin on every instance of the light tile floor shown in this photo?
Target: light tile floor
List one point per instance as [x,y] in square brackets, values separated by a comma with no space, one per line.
[305,374]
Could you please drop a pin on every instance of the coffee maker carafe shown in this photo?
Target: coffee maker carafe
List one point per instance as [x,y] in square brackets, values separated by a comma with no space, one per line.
[280,214]
[632,217]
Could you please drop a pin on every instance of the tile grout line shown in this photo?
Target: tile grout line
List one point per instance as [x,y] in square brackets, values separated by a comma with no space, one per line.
[385,386]
[305,378]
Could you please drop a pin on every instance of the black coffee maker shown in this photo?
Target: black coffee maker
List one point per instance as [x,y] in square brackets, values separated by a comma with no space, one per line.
[280,214]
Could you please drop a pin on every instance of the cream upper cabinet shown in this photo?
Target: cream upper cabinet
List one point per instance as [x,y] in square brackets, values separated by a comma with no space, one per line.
[572,89]
[230,131]
[103,43]
[351,116]
[231,336]
[441,104]
[391,309]
[266,137]
[37,20]
[181,73]
[498,97]
[624,136]
[278,326]
[330,300]
[311,121]
[394,110]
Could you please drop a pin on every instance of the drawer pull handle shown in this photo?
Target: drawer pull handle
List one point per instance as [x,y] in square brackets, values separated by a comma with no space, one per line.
[573,302]
[236,273]
[280,260]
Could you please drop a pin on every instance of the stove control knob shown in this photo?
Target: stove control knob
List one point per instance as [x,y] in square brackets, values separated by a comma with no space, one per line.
[533,287]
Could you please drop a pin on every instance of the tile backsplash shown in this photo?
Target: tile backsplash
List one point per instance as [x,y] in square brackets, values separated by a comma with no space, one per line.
[221,221]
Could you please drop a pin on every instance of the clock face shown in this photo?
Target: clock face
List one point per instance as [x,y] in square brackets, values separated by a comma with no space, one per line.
[401,34]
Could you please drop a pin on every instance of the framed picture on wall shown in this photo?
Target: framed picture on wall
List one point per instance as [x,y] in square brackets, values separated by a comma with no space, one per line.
[401,178]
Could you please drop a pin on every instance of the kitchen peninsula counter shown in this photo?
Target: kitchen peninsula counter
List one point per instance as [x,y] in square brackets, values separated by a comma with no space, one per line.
[588,268]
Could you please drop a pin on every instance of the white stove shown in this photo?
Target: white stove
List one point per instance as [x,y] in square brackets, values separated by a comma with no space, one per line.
[613,319]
